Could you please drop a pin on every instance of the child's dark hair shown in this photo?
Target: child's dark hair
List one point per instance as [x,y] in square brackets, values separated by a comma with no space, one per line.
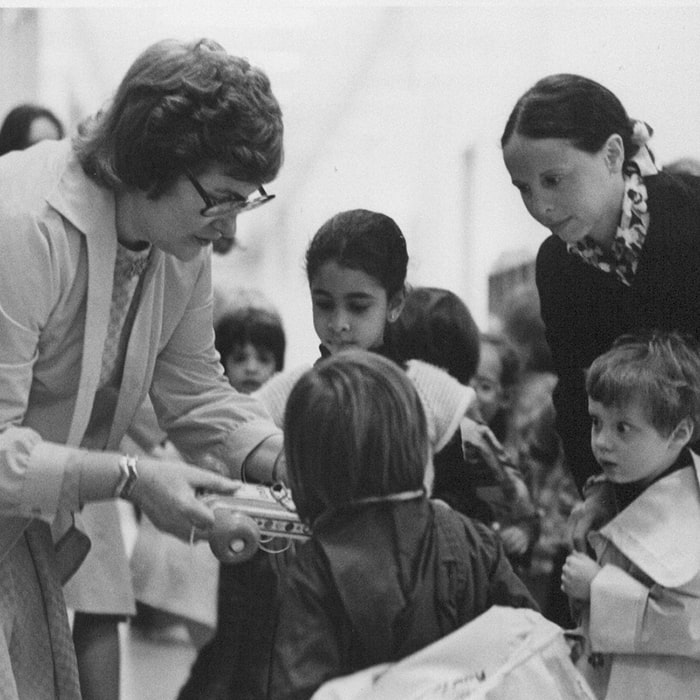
[262,328]
[354,428]
[571,107]
[660,369]
[436,326]
[361,240]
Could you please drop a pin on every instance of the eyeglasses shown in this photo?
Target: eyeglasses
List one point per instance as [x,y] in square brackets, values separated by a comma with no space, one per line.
[226,206]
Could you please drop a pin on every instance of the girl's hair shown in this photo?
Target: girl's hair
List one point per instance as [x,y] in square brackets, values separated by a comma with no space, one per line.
[354,428]
[262,328]
[361,240]
[184,106]
[14,134]
[566,106]
[659,369]
[436,326]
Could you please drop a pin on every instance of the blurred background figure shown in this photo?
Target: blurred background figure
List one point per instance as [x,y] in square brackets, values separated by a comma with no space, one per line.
[251,341]
[26,125]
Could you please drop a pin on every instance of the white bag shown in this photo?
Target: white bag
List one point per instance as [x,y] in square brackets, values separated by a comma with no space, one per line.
[504,654]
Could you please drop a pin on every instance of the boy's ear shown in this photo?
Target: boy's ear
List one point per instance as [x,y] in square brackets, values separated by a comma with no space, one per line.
[683,432]
[396,304]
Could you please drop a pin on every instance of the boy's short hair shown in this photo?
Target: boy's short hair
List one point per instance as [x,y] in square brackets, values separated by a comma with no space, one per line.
[660,369]
[184,105]
[262,328]
[436,326]
[354,428]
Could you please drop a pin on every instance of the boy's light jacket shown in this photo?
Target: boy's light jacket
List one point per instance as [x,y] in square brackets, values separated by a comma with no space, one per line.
[645,602]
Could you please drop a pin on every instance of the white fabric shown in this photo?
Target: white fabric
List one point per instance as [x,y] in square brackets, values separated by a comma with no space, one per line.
[504,654]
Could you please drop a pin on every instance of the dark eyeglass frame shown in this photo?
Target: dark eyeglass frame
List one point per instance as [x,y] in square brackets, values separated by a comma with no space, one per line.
[235,204]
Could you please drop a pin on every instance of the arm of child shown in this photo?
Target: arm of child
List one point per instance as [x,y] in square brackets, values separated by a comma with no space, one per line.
[630,617]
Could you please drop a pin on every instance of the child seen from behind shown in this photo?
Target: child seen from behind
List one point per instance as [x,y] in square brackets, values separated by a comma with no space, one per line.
[387,571]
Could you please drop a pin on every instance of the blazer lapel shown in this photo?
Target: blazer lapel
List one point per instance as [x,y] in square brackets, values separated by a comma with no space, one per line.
[90,208]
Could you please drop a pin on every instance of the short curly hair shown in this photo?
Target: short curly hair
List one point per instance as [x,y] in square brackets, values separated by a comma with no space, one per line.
[183,106]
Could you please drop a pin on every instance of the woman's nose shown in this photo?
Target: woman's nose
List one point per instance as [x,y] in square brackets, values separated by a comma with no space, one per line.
[226,226]
[542,208]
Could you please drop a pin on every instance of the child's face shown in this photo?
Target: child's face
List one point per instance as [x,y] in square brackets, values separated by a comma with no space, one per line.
[350,308]
[487,382]
[627,446]
[571,192]
[248,367]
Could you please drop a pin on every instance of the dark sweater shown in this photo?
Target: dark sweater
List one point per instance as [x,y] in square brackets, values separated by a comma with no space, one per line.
[584,309]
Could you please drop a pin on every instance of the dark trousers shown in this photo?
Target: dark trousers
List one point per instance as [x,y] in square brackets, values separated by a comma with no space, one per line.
[234,664]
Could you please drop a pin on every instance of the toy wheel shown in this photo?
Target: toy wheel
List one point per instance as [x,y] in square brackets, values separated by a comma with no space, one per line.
[235,537]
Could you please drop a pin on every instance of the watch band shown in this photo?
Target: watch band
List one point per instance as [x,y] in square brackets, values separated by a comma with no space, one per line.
[129,476]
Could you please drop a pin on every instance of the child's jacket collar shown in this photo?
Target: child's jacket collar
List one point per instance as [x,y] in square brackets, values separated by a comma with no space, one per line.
[658,532]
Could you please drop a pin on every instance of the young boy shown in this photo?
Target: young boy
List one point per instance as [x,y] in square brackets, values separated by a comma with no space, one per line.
[640,598]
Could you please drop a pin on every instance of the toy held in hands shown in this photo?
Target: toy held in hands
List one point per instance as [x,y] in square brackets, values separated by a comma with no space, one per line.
[250,519]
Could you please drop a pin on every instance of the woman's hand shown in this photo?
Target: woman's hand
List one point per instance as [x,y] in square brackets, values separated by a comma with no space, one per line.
[578,572]
[166,492]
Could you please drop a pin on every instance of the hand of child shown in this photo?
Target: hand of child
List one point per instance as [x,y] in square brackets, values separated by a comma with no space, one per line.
[578,572]
[515,539]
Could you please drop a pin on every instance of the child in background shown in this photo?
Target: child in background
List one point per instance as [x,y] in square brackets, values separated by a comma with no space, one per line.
[387,571]
[641,596]
[471,472]
[251,342]
[496,384]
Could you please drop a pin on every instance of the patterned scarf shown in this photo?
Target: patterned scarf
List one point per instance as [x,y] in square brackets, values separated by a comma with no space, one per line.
[634,221]
[627,246]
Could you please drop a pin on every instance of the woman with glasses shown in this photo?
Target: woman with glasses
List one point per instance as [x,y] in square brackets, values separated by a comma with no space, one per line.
[105,299]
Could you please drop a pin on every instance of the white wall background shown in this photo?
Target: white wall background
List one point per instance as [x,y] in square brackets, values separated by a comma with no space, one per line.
[396,108]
